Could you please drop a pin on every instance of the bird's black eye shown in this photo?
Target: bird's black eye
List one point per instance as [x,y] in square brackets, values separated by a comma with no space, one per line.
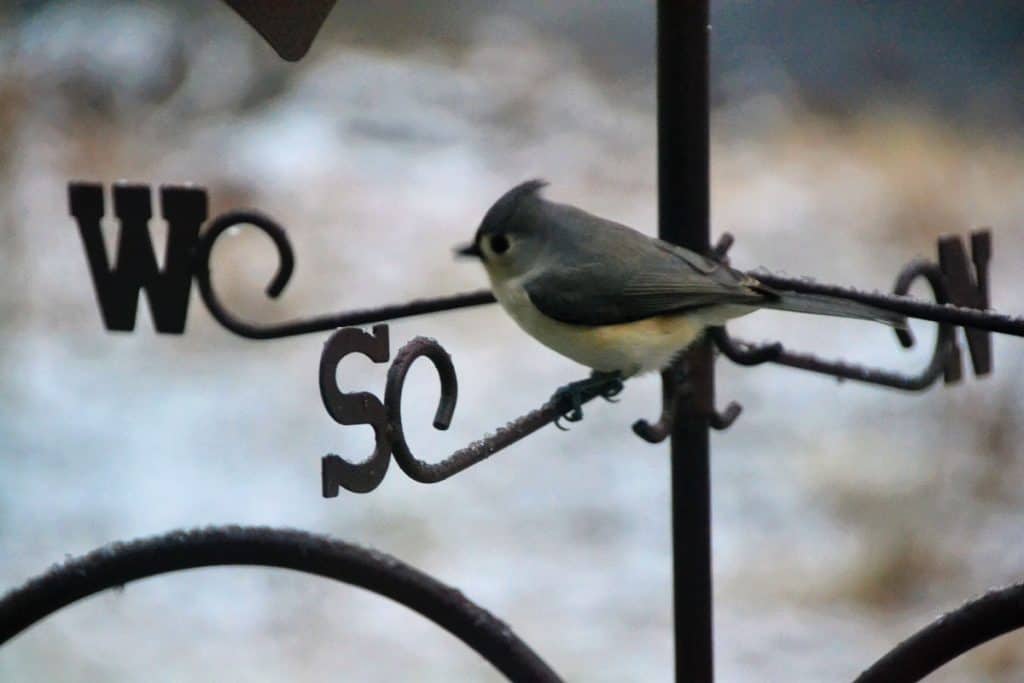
[499,244]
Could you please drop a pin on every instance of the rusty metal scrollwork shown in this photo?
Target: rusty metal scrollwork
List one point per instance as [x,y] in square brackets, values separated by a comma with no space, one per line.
[286,265]
[386,416]
[945,359]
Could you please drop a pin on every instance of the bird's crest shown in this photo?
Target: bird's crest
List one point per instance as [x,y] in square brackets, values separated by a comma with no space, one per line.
[503,209]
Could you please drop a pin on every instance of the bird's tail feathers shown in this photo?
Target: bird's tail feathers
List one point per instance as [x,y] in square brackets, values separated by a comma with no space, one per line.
[821,304]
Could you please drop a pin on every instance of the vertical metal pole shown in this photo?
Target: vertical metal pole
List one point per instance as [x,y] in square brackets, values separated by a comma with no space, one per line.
[683,204]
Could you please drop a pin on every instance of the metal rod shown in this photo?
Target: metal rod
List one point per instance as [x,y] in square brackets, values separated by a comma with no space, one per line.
[683,204]
[966,317]
[914,308]
[285,267]
[945,360]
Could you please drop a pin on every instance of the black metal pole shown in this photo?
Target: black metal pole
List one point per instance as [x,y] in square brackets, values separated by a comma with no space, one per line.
[683,204]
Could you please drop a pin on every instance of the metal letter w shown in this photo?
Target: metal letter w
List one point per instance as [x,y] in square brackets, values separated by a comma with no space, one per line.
[135,268]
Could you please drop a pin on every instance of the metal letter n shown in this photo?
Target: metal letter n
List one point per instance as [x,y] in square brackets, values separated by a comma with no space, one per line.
[970,289]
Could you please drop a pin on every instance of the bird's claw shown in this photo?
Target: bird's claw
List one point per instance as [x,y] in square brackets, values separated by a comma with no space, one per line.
[574,415]
[611,390]
[607,386]
[571,394]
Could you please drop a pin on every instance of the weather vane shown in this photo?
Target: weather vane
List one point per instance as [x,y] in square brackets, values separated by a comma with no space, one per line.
[958,279]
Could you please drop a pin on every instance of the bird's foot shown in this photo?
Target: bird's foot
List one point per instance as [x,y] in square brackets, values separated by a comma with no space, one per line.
[612,385]
[572,396]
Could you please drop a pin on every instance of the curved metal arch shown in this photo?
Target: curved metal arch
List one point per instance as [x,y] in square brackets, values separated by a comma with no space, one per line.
[994,614]
[120,563]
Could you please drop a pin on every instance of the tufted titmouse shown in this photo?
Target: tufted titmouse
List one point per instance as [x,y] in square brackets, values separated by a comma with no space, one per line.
[612,298]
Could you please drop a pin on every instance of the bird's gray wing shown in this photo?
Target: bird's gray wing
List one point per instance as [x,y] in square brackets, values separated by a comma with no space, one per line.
[633,277]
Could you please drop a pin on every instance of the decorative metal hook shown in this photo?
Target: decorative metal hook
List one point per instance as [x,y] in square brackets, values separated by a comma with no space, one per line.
[673,388]
[386,417]
[659,430]
[286,264]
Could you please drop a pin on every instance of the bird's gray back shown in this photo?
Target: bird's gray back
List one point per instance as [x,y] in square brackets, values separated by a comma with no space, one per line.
[597,272]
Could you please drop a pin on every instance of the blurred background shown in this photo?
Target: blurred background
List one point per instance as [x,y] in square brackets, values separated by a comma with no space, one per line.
[846,138]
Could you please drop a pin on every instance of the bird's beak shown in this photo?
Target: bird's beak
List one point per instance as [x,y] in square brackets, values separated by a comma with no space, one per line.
[468,251]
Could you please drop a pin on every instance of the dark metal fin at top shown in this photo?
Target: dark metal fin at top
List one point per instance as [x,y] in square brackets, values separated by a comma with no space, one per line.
[289,27]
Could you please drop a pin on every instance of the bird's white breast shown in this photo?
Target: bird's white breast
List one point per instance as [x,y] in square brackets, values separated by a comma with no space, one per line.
[630,348]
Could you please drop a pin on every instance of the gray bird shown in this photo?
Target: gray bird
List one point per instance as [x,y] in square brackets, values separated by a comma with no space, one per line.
[612,298]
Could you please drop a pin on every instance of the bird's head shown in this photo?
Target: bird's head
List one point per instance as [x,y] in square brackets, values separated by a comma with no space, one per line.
[511,233]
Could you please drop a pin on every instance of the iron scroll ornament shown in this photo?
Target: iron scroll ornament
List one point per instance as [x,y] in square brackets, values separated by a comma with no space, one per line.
[121,563]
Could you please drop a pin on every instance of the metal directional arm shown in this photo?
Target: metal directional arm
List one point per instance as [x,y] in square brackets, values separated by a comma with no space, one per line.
[349,408]
[285,267]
